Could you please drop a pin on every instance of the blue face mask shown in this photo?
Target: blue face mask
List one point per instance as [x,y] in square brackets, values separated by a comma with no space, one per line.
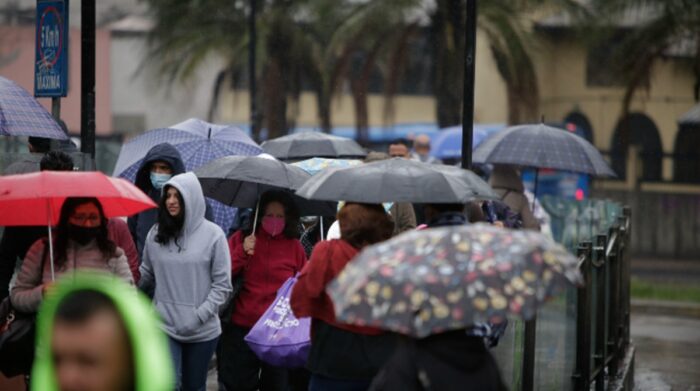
[158,180]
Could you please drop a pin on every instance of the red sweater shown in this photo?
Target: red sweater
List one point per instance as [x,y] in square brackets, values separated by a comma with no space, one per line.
[274,261]
[309,297]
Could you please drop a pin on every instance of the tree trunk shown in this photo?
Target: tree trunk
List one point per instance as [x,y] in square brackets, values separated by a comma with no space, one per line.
[275,100]
[448,52]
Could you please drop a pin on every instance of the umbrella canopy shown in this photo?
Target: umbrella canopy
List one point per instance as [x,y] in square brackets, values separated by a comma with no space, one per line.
[306,145]
[542,146]
[426,282]
[315,165]
[22,115]
[448,143]
[197,145]
[240,180]
[36,198]
[397,180]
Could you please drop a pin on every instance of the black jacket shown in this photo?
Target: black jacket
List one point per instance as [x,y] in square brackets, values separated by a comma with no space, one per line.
[13,247]
[451,361]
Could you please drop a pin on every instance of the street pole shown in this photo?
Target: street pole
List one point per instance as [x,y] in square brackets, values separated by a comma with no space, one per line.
[251,70]
[87,78]
[468,100]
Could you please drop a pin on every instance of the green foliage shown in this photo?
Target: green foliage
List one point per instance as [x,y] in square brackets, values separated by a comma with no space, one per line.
[643,289]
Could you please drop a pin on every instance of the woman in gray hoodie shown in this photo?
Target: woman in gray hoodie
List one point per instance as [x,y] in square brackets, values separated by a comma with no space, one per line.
[187,259]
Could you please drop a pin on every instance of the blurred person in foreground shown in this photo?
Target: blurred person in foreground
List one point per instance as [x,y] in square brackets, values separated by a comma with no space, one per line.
[96,333]
[421,147]
[186,259]
[265,258]
[342,357]
[17,240]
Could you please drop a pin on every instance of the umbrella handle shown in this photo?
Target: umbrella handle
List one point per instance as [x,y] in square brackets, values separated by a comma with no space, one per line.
[53,277]
[320,218]
[255,220]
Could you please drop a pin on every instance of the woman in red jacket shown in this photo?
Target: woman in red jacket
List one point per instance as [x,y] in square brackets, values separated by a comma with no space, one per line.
[266,259]
[342,357]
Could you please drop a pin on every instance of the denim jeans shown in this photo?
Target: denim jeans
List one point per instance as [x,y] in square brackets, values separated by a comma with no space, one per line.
[191,363]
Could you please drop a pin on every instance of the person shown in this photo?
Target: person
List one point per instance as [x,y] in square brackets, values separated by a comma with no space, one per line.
[81,241]
[421,147]
[505,181]
[96,333]
[17,240]
[400,148]
[161,163]
[449,361]
[342,357]
[37,146]
[186,259]
[266,257]
[311,235]
[404,213]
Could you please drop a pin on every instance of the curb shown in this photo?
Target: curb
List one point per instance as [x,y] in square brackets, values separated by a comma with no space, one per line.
[664,307]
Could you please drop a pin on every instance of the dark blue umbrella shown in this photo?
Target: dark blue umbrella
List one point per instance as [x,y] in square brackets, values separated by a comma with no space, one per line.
[448,143]
[543,146]
[197,141]
[22,115]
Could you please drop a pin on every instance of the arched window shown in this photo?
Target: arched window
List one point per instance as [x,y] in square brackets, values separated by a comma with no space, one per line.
[639,130]
[583,126]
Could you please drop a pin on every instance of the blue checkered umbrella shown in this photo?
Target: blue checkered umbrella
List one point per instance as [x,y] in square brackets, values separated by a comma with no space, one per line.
[22,115]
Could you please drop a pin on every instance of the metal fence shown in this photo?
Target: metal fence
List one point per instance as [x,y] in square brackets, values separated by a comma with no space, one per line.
[580,340]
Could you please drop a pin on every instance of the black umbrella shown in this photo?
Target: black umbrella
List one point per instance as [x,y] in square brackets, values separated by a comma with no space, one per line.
[397,180]
[240,180]
[306,145]
[542,146]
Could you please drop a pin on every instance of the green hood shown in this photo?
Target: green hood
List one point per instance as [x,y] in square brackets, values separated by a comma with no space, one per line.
[152,361]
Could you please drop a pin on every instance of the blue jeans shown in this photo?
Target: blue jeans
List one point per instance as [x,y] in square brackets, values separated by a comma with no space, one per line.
[323,383]
[191,363]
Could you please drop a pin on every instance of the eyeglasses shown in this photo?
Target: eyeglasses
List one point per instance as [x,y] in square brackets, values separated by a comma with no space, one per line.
[82,218]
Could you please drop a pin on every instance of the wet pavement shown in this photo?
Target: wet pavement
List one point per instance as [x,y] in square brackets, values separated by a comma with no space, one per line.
[668,352]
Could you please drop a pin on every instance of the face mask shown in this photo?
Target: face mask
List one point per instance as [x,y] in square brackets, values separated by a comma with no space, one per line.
[82,235]
[158,180]
[273,225]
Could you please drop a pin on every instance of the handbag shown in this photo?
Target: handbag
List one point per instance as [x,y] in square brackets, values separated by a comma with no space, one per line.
[279,338]
[17,334]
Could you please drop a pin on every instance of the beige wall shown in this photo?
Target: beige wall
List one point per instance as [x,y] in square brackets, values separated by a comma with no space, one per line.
[564,90]
[490,102]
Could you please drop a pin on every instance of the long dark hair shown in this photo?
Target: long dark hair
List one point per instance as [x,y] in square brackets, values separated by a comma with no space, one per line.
[169,227]
[106,246]
[291,213]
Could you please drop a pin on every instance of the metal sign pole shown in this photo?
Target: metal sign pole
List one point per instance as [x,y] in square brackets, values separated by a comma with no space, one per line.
[469,69]
[87,78]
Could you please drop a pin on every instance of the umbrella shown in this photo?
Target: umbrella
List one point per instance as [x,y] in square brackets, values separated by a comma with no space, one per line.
[435,280]
[240,180]
[397,180]
[306,145]
[448,143]
[22,115]
[315,165]
[542,146]
[196,143]
[36,198]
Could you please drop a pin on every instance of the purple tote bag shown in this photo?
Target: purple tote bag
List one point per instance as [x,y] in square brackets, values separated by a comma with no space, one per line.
[279,338]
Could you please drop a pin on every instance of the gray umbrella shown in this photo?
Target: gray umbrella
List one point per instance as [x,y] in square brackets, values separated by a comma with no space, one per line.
[397,180]
[542,146]
[306,145]
[240,180]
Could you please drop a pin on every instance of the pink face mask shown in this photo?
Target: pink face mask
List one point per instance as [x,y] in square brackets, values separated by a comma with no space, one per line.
[273,225]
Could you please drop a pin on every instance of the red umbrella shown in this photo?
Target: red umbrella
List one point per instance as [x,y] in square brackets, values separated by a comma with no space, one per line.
[36,198]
